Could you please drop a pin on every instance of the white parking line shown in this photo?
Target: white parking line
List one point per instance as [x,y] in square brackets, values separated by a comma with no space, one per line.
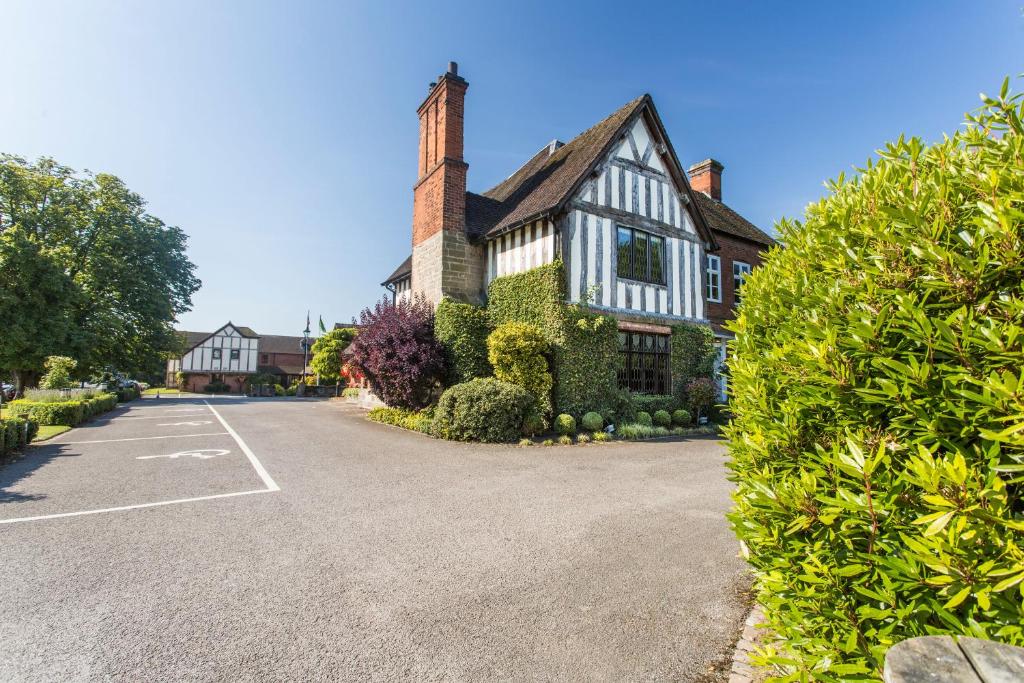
[146,438]
[264,475]
[155,417]
[133,507]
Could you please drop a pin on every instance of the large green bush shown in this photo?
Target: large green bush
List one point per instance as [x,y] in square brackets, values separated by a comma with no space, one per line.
[482,410]
[878,394]
[53,413]
[652,403]
[584,346]
[693,357]
[518,353]
[462,330]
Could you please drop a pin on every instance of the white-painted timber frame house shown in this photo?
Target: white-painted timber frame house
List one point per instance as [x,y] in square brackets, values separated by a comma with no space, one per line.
[614,204]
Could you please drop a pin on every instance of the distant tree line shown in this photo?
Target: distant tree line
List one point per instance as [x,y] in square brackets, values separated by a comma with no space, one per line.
[85,272]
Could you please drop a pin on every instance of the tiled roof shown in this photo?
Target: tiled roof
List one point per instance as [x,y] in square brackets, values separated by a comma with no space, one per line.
[401,271]
[546,180]
[723,219]
[277,343]
[193,338]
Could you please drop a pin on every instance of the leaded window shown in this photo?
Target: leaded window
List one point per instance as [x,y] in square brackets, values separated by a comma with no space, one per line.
[640,256]
[645,364]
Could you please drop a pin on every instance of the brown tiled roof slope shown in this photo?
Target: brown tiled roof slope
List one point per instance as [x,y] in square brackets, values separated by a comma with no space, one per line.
[723,219]
[277,343]
[544,181]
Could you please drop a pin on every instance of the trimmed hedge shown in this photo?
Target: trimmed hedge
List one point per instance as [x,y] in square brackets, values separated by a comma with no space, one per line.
[584,346]
[414,420]
[486,410]
[652,403]
[462,330]
[518,352]
[693,356]
[13,435]
[877,441]
[644,418]
[662,418]
[65,412]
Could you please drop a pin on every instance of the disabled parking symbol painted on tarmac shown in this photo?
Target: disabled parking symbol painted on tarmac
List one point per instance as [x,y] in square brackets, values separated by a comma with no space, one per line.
[202,454]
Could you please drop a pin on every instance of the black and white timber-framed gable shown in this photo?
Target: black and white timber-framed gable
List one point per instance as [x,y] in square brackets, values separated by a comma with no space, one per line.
[614,204]
[231,349]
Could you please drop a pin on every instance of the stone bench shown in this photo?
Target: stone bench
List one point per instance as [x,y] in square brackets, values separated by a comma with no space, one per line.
[941,659]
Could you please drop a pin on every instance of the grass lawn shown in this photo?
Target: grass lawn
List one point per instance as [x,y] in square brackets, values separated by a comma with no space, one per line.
[50,431]
[153,390]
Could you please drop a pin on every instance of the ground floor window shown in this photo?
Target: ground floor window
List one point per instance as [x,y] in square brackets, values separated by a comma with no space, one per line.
[646,364]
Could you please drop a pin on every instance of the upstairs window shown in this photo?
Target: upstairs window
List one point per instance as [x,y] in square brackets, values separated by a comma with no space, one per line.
[264,358]
[640,256]
[216,354]
[714,279]
[740,271]
[235,354]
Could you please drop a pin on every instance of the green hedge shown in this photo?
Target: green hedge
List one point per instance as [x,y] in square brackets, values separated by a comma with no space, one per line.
[652,403]
[584,345]
[518,352]
[877,439]
[65,412]
[13,436]
[126,394]
[462,330]
[482,410]
[415,420]
[693,356]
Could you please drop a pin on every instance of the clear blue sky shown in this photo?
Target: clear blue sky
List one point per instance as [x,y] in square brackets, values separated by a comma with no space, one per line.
[282,136]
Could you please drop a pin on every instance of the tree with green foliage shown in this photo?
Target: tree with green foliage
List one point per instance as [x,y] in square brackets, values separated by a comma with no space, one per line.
[86,271]
[37,301]
[878,394]
[58,372]
[327,350]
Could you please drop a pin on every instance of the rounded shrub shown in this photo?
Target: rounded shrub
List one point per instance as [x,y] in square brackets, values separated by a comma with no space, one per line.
[592,421]
[533,423]
[680,418]
[644,418]
[565,440]
[662,418]
[482,410]
[565,424]
[877,441]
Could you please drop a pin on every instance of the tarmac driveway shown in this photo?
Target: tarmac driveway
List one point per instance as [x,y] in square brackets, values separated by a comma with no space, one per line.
[311,544]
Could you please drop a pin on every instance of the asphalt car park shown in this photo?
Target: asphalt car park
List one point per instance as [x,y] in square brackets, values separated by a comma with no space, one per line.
[290,539]
[135,457]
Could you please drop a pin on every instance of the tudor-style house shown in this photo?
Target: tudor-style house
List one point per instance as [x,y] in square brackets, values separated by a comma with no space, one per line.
[613,203]
[234,353]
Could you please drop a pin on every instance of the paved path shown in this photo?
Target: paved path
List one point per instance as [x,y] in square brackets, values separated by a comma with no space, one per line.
[383,555]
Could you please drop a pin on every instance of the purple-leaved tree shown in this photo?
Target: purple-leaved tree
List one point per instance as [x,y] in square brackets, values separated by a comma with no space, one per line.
[397,352]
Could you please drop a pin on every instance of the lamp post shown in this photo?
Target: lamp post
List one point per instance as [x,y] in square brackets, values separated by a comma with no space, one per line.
[305,349]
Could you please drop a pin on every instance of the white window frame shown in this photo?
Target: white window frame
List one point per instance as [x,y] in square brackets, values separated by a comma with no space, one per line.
[740,271]
[713,286]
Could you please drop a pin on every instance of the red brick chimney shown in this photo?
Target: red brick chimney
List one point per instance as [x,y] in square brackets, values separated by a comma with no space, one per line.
[439,196]
[706,177]
[444,262]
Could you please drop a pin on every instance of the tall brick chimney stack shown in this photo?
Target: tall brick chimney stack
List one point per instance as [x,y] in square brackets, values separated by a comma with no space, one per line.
[443,261]
[706,177]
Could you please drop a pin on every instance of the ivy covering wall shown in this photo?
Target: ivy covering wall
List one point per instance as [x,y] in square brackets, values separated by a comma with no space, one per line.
[462,330]
[584,346]
[693,356]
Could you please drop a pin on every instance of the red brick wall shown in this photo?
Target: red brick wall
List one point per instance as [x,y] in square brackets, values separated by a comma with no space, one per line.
[731,249]
[439,196]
